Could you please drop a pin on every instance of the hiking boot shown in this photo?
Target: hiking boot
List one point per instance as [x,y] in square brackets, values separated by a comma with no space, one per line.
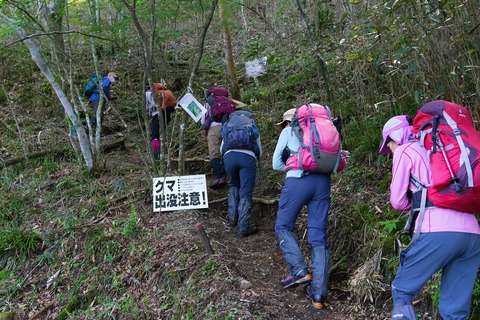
[218,183]
[317,301]
[247,233]
[302,277]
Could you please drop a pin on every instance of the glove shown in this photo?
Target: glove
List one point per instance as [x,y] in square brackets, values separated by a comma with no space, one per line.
[285,154]
[112,98]
[337,122]
[156,148]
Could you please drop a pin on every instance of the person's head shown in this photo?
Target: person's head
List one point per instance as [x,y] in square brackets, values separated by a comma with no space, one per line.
[112,76]
[147,87]
[396,132]
[286,119]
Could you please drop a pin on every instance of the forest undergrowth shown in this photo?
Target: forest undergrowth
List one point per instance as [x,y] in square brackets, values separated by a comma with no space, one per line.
[80,240]
[78,245]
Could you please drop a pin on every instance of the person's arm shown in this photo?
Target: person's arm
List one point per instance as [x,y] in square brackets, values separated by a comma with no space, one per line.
[106,87]
[343,160]
[277,163]
[147,100]
[401,169]
[150,103]
[221,147]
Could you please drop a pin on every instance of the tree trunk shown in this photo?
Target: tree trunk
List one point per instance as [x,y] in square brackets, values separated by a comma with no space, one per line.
[227,40]
[94,12]
[54,17]
[38,59]
[148,55]
[196,64]
[101,102]
[321,63]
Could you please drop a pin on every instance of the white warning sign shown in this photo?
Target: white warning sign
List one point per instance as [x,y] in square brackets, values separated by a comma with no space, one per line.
[180,193]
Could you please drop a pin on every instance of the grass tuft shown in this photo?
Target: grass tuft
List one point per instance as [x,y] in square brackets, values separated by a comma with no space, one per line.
[18,243]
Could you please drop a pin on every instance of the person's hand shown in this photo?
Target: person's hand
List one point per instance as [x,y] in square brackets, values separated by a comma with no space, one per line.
[345,153]
[112,98]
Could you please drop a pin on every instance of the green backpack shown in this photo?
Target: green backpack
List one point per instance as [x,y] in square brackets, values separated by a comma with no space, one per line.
[92,85]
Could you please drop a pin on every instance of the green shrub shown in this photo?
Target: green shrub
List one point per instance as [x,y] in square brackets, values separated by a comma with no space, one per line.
[19,243]
[131,224]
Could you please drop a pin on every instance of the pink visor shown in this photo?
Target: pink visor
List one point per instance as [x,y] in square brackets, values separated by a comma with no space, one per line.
[398,129]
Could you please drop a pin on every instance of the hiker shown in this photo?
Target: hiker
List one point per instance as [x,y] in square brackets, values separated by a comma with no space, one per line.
[212,125]
[448,240]
[286,120]
[302,188]
[241,147]
[153,112]
[94,99]
[166,102]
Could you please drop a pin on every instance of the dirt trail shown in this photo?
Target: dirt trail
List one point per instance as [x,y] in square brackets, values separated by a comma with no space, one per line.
[258,260]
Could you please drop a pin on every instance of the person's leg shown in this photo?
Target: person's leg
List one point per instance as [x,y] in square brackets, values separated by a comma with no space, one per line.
[318,209]
[155,127]
[459,275]
[168,114]
[233,200]
[232,170]
[430,253]
[295,193]
[247,171]
[403,311]
[166,117]
[155,139]
[93,118]
[214,140]
[317,291]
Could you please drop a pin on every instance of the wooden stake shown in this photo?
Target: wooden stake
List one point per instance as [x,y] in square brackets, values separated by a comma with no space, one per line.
[203,236]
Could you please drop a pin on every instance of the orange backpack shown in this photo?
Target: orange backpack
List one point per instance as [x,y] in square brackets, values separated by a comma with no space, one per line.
[164,94]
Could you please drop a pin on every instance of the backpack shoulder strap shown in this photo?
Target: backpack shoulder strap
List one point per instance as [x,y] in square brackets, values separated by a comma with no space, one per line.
[463,154]
[419,203]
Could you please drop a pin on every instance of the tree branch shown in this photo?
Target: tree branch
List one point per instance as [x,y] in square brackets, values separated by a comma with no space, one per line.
[36,35]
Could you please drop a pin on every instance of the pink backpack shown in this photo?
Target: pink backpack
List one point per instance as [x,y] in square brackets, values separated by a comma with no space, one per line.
[320,146]
[447,131]
[220,103]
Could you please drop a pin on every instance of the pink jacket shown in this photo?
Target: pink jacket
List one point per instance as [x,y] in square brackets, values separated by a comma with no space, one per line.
[412,158]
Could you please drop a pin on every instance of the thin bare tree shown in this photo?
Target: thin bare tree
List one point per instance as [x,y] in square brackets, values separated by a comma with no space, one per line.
[37,57]
[227,42]
[148,43]
[193,73]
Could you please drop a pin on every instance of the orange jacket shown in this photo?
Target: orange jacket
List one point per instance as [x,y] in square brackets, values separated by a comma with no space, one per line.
[163,92]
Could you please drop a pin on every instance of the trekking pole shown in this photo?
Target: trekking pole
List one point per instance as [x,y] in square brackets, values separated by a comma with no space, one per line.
[438,142]
[434,134]
[449,166]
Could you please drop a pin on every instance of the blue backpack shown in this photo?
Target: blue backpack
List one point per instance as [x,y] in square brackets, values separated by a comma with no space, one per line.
[240,132]
[92,85]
